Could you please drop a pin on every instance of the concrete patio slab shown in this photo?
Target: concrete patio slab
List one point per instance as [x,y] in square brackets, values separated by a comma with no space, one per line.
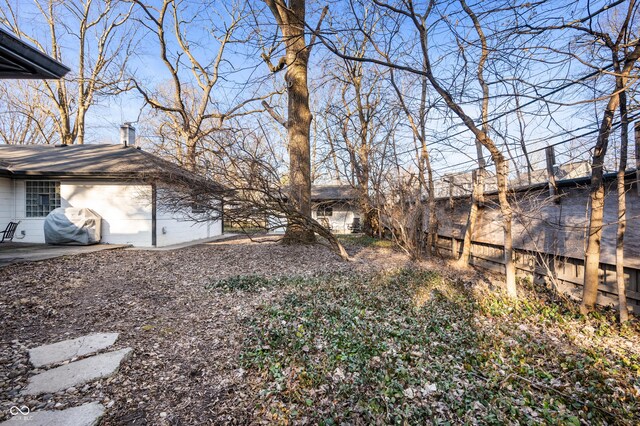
[76,373]
[11,253]
[217,238]
[83,415]
[65,350]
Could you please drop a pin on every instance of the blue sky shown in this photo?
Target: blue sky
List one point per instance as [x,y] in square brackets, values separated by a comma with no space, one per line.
[243,64]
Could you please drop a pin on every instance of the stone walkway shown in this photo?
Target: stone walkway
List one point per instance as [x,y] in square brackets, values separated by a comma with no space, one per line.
[70,374]
[69,349]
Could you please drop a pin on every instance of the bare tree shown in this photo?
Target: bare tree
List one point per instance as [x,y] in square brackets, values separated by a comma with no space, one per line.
[419,21]
[92,38]
[604,39]
[402,209]
[621,86]
[212,139]
[417,118]
[189,111]
[249,181]
[622,204]
[291,18]
[357,122]
[22,120]
[624,54]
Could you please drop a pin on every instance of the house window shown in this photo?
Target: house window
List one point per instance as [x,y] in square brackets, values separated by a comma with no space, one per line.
[325,211]
[42,197]
[198,208]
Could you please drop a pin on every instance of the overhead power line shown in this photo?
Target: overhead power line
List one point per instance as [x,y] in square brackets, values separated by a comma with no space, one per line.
[615,126]
[531,102]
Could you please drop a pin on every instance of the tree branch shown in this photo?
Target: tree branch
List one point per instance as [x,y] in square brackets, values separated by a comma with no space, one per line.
[275,115]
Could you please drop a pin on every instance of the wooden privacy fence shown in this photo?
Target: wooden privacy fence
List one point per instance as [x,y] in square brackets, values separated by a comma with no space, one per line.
[550,227]
[567,272]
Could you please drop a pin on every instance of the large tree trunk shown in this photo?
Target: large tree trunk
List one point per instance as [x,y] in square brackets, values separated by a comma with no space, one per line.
[291,20]
[298,128]
[622,207]
[592,254]
[432,241]
[502,171]
[80,125]
[477,198]
[432,226]
[370,218]
[622,223]
[191,154]
[370,222]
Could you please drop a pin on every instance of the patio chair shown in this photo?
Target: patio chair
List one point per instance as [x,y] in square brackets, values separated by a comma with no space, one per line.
[355,226]
[7,234]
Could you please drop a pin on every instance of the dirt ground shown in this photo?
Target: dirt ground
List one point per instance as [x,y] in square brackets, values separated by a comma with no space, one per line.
[195,316]
[186,339]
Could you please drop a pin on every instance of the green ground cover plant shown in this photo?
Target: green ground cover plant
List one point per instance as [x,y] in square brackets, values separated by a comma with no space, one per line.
[412,347]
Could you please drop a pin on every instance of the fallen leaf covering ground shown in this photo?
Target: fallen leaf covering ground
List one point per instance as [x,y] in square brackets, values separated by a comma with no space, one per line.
[248,333]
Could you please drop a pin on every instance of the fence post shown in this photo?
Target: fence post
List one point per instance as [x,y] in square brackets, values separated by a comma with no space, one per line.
[451,187]
[637,137]
[474,180]
[551,161]
[479,180]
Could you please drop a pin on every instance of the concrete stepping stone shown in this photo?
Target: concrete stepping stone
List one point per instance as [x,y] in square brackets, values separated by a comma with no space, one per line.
[65,350]
[76,373]
[83,415]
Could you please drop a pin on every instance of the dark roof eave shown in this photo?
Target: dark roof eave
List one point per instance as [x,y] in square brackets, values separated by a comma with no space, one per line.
[136,177]
[69,175]
[333,199]
[38,64]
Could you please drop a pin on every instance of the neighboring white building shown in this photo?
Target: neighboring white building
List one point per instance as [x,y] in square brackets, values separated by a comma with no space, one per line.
[119,183]
[336,207]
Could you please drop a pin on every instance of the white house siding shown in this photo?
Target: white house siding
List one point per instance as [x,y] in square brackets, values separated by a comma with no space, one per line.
[340,220]
[33,227]
[174,227]
[277,225]
[126,210]
[175,230]
[7,205]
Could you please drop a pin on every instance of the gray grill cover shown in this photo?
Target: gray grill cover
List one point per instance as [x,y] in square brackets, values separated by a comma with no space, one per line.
[72,226]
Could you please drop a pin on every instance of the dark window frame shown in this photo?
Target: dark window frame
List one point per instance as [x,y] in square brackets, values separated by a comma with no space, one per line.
[198,208]
[325,211]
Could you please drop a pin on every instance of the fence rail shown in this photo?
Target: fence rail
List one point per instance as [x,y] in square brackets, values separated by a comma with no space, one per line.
[550,200]
[566,273]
